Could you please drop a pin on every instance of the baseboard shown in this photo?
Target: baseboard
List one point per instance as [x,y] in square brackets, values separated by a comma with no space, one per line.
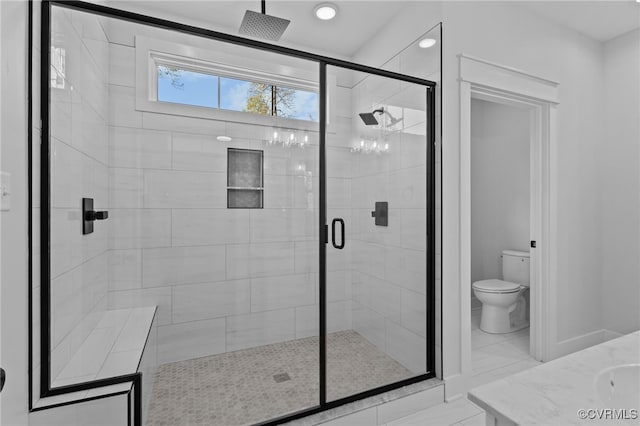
[578,343]
[455,387]
[610,334]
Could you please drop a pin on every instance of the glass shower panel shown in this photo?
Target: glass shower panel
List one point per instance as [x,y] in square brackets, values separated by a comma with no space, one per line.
[377,214]
[235,281]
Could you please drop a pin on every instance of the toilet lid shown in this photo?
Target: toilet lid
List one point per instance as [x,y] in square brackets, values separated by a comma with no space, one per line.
[496,286]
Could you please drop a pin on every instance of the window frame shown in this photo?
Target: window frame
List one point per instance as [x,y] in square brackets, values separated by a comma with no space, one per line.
[151,53]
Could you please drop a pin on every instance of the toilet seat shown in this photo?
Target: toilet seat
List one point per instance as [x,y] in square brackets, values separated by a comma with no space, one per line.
[496,286]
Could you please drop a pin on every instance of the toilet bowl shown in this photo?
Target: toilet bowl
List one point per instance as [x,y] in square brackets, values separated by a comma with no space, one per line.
[499,299]
[503,302]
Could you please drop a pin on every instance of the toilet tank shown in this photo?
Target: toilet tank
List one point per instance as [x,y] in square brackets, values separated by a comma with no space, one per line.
[515,267]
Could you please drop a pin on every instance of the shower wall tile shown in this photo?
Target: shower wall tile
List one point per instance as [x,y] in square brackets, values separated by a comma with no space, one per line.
[269,225]
[179,189]
[194,302]
[343,105]
[178,342]
[370,325]
[340,162]
[414,150]
[121,69]
[125,269]
[407,188]
[339,316]
[305,192]
[386,298]
[414,314]
[122,108]
[278,292]
[306,256]
[307,321]
[304,224]
[259,260]
[196,227]
[370,258]
[175,123]
[139,148]
[182,265]
[262,328]
[139,228]
[199,153]
[413,225]
[278,193]
[338,193]
[339,285]
[78,169]
[406,268]
[406,347]
[158,296]
[125,188]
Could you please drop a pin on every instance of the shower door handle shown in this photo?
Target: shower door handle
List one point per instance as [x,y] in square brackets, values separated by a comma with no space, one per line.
[333,233]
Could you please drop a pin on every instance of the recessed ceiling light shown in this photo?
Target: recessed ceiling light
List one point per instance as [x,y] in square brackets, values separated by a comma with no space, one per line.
[426,43]
[326,11]
[224,138]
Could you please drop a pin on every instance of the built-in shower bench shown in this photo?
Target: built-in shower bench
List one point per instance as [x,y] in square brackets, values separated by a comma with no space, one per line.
[113,348]
[123,342]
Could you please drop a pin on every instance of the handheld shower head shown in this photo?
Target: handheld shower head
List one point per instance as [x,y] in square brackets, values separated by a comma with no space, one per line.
[369,118]
[261,25]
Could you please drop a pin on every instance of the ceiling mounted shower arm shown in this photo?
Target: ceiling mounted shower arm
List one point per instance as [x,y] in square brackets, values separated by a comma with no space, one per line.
[264,6]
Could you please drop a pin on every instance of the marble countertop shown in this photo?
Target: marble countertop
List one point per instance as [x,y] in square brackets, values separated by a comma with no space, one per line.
[552,393]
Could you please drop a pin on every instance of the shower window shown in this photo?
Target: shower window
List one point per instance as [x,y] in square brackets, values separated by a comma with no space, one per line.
[220,86]
[187,87]
[181,86]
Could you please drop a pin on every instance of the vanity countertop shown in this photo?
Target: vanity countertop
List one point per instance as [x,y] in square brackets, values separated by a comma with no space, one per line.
[554,392]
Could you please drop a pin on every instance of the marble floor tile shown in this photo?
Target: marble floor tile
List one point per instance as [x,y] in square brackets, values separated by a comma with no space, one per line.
[444,414]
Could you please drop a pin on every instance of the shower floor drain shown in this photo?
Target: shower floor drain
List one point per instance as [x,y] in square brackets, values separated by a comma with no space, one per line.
[282,377]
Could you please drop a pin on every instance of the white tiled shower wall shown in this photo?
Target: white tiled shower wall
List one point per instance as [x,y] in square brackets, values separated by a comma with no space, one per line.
[389,291]
[224,279]
[79,169]
[389,262]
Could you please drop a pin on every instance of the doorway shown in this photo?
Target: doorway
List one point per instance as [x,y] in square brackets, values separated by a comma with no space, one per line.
[500,237]
[507,86]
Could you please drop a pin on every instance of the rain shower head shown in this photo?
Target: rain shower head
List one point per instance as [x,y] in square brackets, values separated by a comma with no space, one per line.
[261,25]
[369,118]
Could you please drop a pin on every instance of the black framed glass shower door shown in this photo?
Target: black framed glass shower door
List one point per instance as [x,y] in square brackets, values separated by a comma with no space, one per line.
[354,275]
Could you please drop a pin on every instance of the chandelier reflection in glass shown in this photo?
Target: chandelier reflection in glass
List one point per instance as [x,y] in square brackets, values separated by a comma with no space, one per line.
[288,138]
[371,146]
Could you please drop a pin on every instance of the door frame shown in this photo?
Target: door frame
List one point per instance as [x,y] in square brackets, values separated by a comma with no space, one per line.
[481,79]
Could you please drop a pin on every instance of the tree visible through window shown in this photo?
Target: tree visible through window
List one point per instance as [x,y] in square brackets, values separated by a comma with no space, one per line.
[189,87]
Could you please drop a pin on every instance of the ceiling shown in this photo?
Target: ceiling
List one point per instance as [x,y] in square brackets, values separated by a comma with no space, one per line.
[359,20]
[599,20]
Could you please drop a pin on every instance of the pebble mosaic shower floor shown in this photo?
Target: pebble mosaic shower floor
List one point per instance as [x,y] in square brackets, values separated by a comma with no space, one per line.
[257,384]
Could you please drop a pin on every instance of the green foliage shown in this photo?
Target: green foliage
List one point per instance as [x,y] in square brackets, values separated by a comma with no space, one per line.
[174,74]
[260,100]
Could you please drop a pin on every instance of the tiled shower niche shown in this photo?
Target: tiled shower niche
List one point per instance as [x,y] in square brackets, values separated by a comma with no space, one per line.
[245,180]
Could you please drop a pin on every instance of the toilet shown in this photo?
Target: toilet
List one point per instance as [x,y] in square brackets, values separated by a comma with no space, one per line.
[504,307]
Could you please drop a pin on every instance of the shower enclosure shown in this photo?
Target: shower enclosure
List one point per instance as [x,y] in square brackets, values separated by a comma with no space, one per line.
[239,206]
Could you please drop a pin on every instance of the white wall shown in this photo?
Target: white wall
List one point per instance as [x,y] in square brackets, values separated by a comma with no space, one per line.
[499,185]
[506,34]
[14,223]
[619,161]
